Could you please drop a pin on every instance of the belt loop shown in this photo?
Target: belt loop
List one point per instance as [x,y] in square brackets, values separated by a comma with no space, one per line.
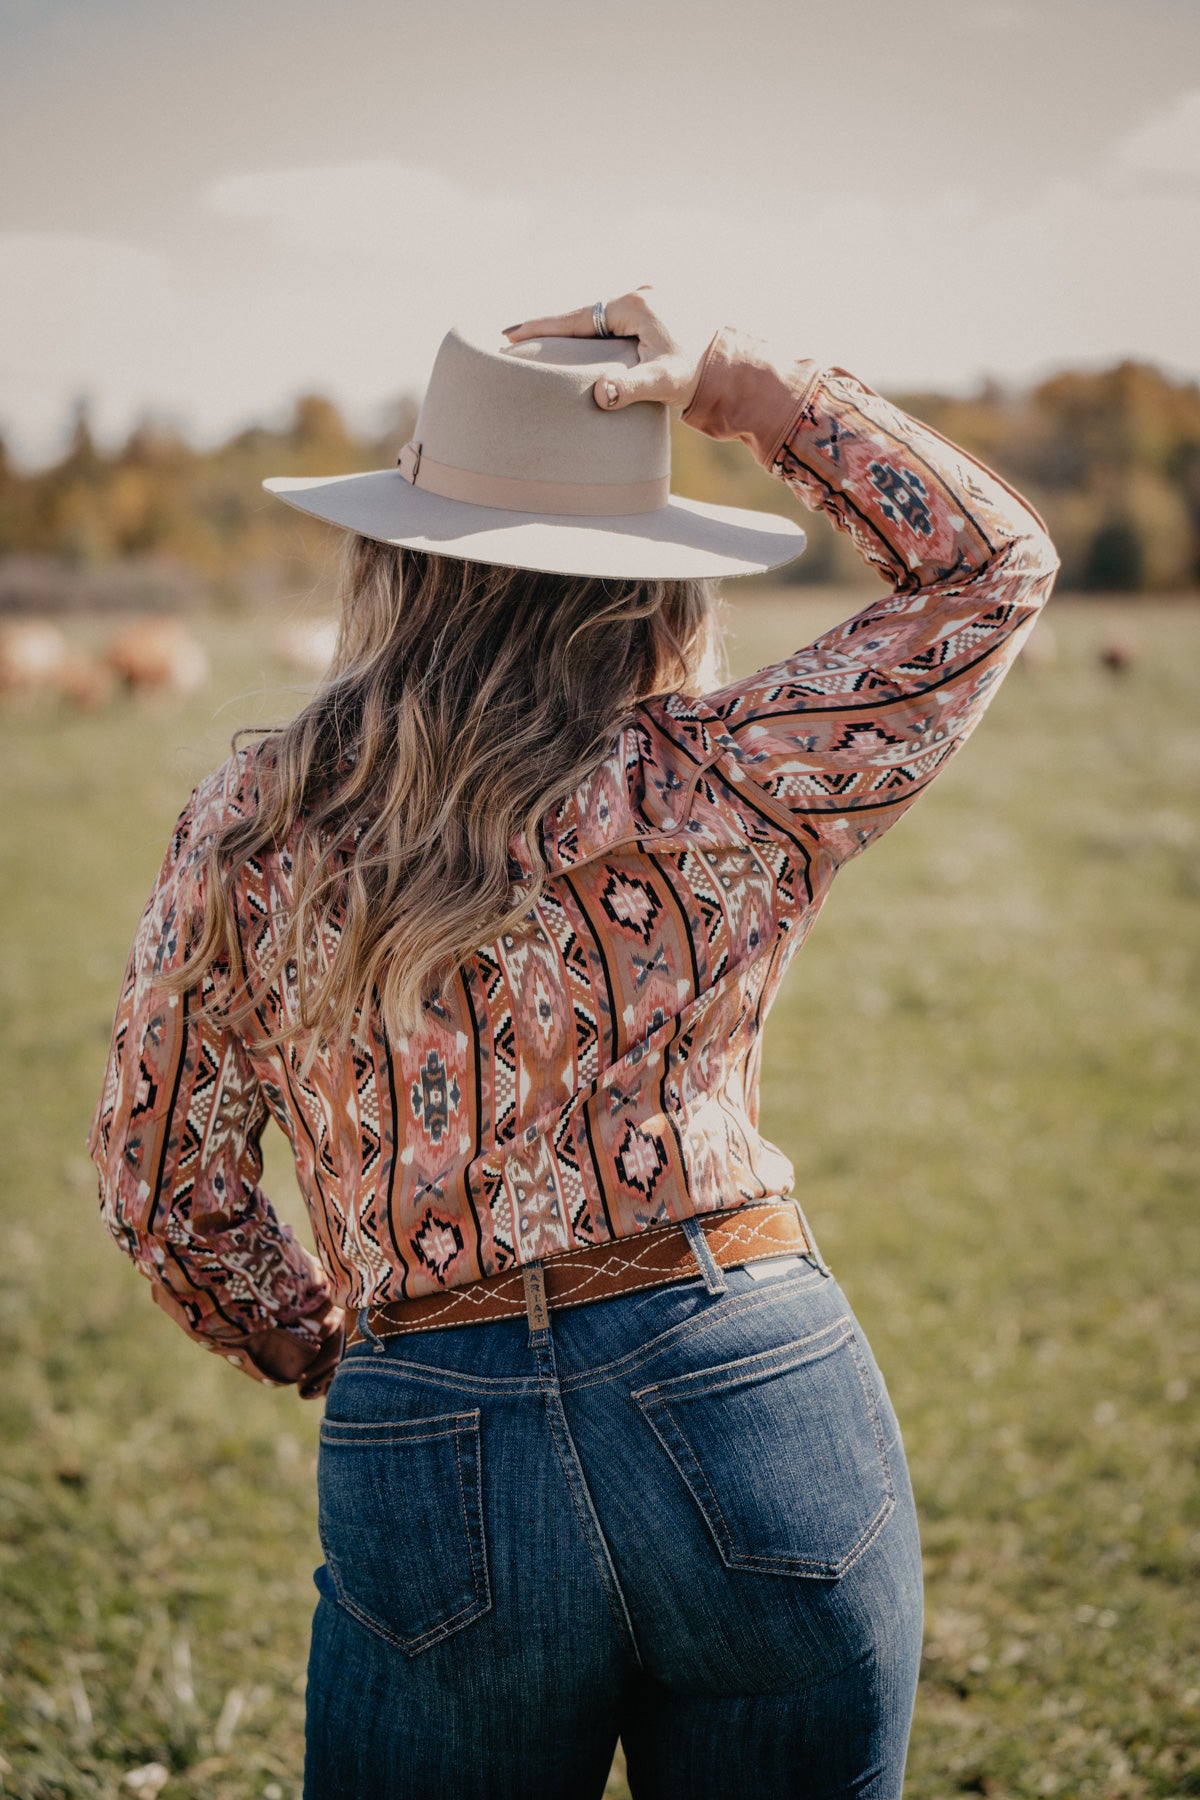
[537,1312]
[812,1242]
[364,1326]
[714,1280]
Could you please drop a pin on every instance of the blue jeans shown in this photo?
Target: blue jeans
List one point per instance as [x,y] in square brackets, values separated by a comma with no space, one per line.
[681,1516]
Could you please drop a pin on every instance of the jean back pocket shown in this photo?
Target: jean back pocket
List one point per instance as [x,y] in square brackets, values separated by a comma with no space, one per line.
[400,1516]
[782,1451]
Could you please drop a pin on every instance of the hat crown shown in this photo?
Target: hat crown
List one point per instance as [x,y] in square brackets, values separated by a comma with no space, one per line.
[527,412]
[513,462]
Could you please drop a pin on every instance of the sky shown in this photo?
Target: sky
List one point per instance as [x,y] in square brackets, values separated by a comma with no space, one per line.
[207,209]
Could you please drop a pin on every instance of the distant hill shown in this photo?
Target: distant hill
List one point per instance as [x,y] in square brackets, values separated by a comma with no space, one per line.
[1111,459]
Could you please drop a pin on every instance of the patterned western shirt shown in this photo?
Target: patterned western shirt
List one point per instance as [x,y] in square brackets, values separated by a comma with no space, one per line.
[595,1071]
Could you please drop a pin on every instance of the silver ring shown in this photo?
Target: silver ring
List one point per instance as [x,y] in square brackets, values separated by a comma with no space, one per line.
[600,320]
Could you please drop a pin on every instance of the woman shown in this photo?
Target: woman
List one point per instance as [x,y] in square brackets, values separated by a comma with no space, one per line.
[491,930]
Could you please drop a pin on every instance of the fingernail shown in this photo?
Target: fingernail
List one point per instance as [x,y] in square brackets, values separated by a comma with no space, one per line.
[612,393]
[507,328]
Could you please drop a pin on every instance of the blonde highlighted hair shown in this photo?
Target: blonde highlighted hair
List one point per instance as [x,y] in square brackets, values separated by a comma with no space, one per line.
[464,701]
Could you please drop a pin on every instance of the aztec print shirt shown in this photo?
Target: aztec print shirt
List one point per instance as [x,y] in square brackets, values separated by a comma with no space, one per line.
[596,1071]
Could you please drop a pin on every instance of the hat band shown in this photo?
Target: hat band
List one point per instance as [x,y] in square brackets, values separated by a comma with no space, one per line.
[614,499]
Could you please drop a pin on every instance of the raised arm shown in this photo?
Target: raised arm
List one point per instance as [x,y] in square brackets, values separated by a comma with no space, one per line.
[176,1140]
[845,733]
[841,737]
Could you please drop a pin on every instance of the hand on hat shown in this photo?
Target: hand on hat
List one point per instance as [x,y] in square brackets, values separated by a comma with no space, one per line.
[669,355]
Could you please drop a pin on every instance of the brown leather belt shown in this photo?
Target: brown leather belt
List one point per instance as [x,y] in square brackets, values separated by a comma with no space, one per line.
[653,1258]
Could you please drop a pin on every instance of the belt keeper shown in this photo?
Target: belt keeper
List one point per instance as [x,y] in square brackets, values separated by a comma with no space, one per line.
[822,1265]
[364,1328]
[710,1268]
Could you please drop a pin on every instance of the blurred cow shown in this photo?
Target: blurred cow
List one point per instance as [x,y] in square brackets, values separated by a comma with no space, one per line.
[158,656]
[32,657]
[1118,654]
[84,682]
[35,658]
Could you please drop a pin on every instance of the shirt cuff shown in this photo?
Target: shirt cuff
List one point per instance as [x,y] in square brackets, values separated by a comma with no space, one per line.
[746,391]
[280,1355]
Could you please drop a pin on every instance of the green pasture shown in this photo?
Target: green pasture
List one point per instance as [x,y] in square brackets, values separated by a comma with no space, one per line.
[985,1069]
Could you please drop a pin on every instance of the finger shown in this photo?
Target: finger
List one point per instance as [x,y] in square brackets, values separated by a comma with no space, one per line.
[570,324]
[625,316]
[619,387]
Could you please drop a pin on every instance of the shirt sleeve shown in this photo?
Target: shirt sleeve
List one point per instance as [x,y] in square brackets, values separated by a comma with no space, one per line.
[176,1140]
[841,737]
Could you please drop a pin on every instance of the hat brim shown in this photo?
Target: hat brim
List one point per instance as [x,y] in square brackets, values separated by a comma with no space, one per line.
[683,539]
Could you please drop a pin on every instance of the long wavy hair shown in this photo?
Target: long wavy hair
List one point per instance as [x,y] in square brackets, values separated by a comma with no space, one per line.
[464,701]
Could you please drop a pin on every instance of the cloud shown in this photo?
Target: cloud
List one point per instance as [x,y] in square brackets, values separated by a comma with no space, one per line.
[419,230]
[1163,155]
[421,251]
[344,277]
[1168,144]
[1088,273]
[366,208]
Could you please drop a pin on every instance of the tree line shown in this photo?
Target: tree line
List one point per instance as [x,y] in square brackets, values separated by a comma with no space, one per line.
[1111,459]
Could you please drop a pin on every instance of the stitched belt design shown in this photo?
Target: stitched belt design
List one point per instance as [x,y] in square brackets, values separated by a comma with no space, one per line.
[653,1258]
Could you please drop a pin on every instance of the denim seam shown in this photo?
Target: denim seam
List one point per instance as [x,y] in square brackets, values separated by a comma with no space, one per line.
[452,1378]
[717,1314]
[608,1577]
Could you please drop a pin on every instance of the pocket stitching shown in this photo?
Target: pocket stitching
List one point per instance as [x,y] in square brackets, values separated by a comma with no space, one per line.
[472,1535]
[761,1359]
[872,1401]
[480,1603]
[449,1423]
[410,1646]
[725,1548]
[781,1564]
[426,1437]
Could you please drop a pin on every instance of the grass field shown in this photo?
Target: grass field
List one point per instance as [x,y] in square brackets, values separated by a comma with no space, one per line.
[997,1145]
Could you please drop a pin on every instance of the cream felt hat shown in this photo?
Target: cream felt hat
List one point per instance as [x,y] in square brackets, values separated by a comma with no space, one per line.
[513,462]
